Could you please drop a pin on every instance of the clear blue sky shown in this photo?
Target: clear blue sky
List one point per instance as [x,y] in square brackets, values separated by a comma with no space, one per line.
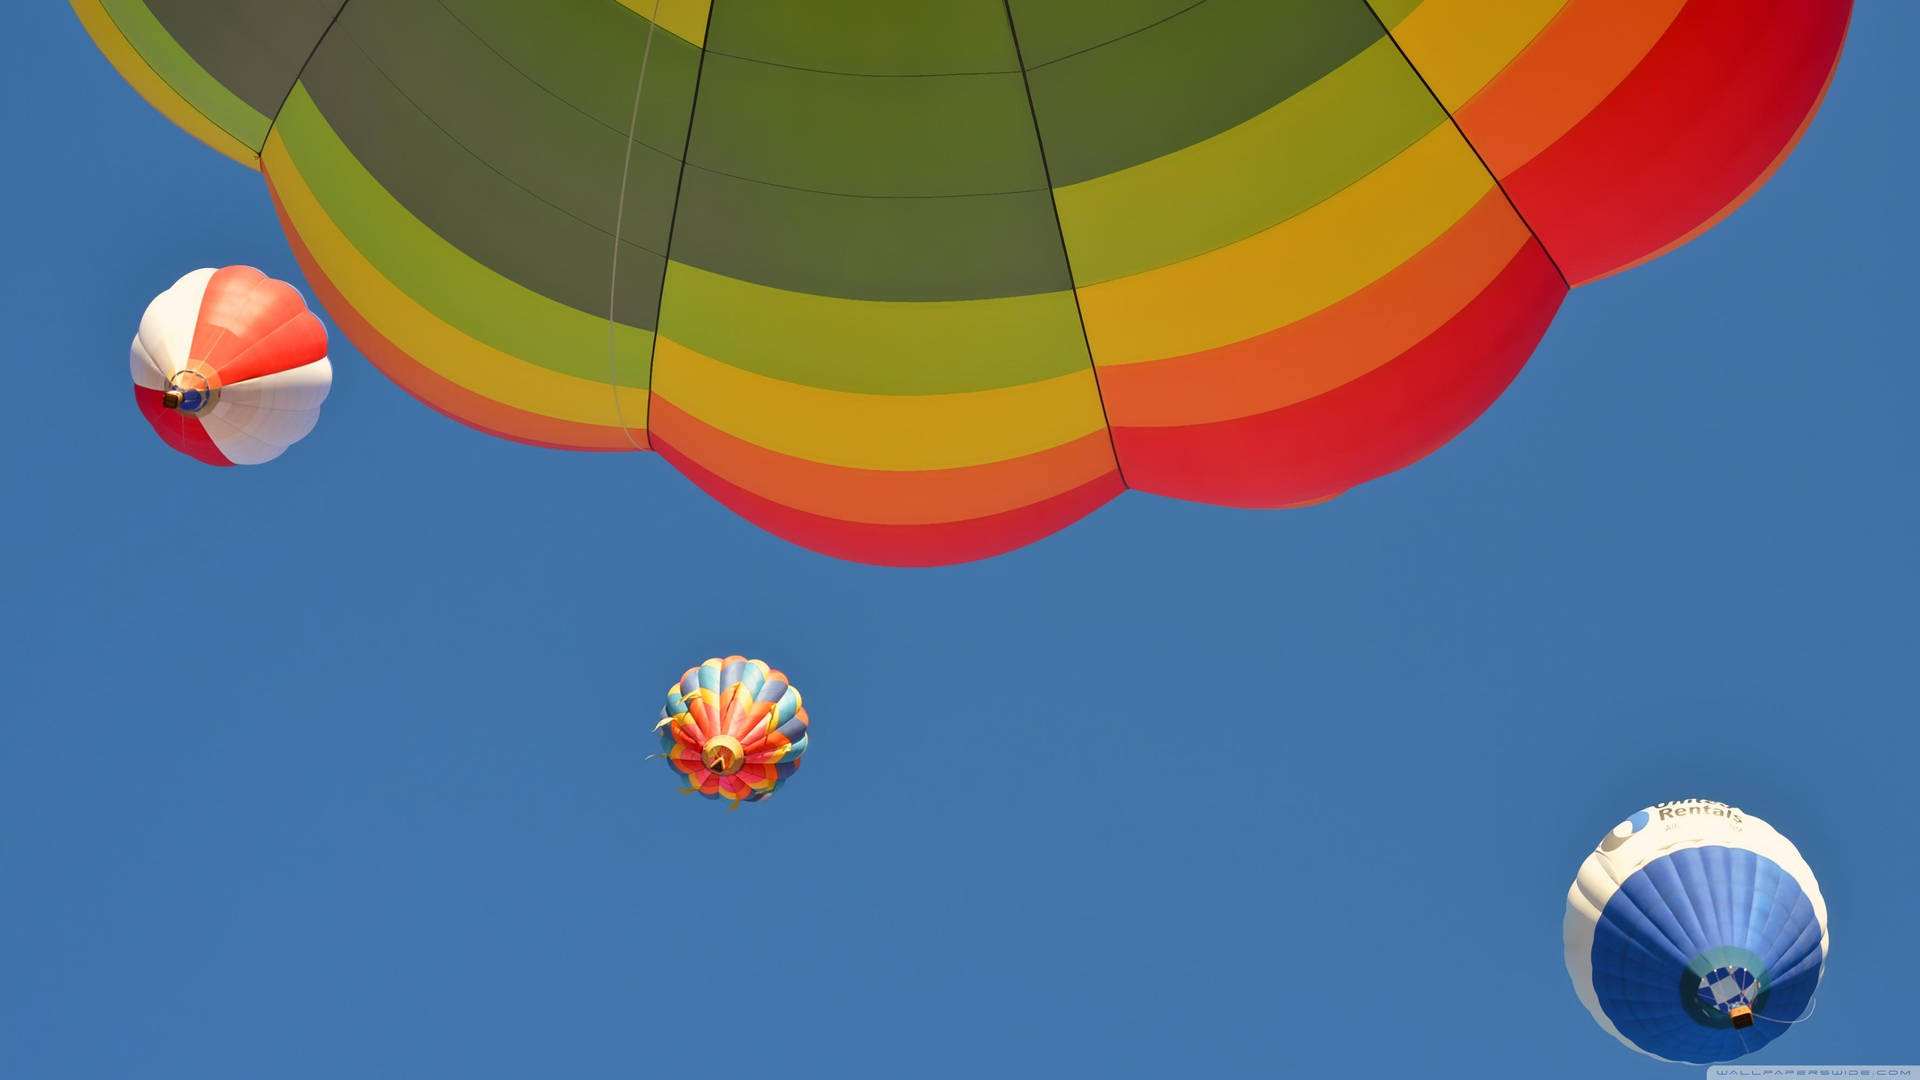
[334,768]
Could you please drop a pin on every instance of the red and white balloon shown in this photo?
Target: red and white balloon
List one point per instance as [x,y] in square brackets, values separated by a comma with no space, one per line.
[230,367]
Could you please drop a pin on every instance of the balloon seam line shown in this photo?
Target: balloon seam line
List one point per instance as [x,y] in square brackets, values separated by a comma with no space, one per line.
[613,271]
[301,72]
[1167,18]
[1066,257]
[673,214]
[1455,122]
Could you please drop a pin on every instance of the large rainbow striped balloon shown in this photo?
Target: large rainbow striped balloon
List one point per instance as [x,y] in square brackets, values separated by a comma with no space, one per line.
[916,283]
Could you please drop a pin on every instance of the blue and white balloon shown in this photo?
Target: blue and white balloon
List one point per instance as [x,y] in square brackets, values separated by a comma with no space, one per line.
[1695,932]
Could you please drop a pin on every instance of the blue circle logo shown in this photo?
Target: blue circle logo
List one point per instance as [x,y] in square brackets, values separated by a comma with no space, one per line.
[1624,831]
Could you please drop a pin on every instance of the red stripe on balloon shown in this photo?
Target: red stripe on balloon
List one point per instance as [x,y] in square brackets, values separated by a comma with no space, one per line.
[1685,135]
[177,429]
[1384,420]
[299,341]
[902,545]
[250,325]
[1758,182]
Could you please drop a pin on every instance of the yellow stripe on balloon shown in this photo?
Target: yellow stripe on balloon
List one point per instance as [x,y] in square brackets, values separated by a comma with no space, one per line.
[147,83]
[1306,263]
[426,338]
[1248,178]
[1460,45]
[684,19]
[896,432]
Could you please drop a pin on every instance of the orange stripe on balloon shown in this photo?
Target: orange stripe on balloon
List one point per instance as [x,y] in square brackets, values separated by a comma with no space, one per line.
[1331,347]
[900,545]
[880,496]
[1588,48]
[762,737]
[443,396]
[749,728]
[767,755]
[733,711]
[706,718]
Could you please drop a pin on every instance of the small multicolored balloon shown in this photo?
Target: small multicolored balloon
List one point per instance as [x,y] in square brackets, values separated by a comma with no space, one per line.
[734,728]
[1695,932]
[230,367]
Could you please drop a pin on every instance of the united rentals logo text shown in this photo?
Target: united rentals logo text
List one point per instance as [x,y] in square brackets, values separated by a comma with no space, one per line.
[1668,811]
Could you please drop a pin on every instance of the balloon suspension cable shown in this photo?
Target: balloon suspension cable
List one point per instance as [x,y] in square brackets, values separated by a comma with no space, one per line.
[1740,1030]
[1802,1018]
[619,215]
[1742,1014]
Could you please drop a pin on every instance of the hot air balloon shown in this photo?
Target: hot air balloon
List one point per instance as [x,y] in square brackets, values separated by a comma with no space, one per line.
[921,283]
[230,367]
[1695,932]
[733,729]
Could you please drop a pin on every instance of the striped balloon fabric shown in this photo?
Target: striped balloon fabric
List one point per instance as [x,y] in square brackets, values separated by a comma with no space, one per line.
[917,283]
[230,367]
[734,729]
[1695,932]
